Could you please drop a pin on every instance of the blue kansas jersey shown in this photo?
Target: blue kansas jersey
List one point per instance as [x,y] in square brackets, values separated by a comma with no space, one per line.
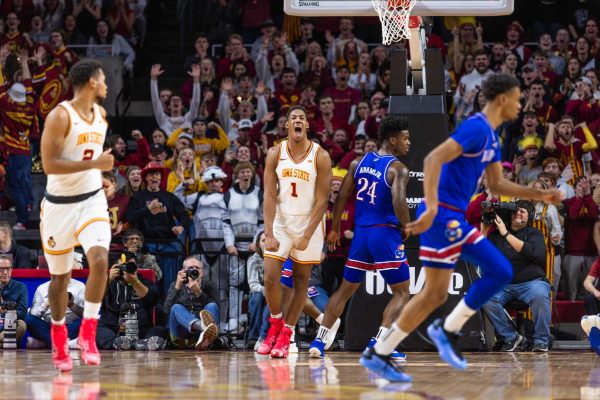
[460,178]
[373,205]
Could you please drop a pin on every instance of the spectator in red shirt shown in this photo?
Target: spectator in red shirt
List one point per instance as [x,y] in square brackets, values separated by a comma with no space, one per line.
[13,36]
[17,114]
[117,205]
[328,121]
[379,106]
[580,249]
[121,19]
[356,153]
[307,100]
[317,74]
[237,52]
[344,97]
[584,107]
[591,284]
[535,102]
[63,57]
[119,150]
[288,93]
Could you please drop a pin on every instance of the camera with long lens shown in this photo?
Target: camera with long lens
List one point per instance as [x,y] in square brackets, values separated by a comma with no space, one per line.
[493,209]
[192,274]
[8,305]
[128,264]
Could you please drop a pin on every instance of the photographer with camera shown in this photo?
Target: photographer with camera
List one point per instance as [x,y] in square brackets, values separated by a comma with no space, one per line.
[192,308]
[13,300]
[126,314]
[524,248]
[39,318]
[133,241]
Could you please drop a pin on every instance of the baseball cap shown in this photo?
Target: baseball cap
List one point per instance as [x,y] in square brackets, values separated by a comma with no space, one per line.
[245,124]
[530,66]
[508,165]
[585,80]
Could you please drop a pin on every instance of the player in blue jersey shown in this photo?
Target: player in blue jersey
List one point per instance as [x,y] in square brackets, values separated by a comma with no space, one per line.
[453,171]
[381,213]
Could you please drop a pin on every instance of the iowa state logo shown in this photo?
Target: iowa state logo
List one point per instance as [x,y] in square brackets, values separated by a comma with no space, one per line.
[51,242]
[453,231]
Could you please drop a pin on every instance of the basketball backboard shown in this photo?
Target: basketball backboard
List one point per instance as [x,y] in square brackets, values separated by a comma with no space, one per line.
[360,8]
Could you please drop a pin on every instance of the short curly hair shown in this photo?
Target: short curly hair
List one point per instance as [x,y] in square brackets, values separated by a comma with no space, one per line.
[81,73]
[498,84]
[391,126]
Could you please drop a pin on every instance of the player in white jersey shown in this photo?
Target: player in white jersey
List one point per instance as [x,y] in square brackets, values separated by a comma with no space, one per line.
[74,210]
[297,181]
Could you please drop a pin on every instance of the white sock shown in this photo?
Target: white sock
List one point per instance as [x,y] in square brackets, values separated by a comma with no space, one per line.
[322,333]
[91,310]
[388,341]
[277,316]
[458,317]
[292,327]
[382,331]
[319,319]
[60,322]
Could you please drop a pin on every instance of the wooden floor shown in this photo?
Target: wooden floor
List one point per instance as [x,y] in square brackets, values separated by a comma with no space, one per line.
[239,375]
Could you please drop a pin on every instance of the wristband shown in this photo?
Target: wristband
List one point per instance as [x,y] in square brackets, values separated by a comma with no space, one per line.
[506,234]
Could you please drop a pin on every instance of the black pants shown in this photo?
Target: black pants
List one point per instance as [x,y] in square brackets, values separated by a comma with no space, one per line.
[106,334]
[333,273]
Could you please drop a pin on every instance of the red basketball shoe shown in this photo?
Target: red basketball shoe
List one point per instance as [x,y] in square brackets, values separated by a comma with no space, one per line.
[276,324]
[87,341]
[282,346]
[60,348]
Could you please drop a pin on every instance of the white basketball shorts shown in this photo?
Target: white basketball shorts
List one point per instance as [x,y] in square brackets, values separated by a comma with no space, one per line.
[287,228]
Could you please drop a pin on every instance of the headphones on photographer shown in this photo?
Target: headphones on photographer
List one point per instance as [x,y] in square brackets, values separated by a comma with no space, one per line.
[527,205]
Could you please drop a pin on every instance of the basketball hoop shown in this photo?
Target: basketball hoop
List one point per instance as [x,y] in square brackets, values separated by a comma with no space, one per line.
[395,18]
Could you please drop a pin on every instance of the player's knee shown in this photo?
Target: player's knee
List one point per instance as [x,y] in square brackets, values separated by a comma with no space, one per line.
[437,298]
[97,257]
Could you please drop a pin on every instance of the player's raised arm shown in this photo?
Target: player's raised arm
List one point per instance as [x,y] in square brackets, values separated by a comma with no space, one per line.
[56,129]
[500,186]
[432,169]
[322,189]
[270,197]
[346,189]
[398,175]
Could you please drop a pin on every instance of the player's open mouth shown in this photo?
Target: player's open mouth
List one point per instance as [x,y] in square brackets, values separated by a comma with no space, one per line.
[298,129]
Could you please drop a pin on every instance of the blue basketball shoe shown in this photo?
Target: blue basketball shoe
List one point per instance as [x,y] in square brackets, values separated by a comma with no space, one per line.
[317,349]
[383,366]
[447,344]
[594,336]
[396,356]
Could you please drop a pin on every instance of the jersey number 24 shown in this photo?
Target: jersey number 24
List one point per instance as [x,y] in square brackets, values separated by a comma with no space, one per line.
[363,184]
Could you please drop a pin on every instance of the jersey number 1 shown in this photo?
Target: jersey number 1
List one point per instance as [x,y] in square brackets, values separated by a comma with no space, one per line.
[363,183]
[294,194]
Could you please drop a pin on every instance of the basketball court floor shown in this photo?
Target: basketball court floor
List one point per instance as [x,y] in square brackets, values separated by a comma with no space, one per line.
[242,375]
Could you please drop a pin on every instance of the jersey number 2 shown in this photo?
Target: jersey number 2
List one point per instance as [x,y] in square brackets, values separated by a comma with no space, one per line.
[88,154]
[294,194]
[363,184]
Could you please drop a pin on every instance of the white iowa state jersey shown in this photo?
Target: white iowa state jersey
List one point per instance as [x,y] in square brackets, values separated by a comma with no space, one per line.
[84,141]
[296,181]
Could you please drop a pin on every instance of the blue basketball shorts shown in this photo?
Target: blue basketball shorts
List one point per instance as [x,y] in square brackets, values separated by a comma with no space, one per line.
[442,243]
[377,248]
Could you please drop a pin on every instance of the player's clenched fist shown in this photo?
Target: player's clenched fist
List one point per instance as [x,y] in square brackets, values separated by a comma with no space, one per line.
[271,244]
[301,243]
[106,161]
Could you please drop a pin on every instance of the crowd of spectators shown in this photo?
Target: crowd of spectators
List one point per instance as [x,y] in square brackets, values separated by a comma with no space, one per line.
[196,178]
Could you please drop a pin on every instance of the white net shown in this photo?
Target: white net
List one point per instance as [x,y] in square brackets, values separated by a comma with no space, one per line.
[394,16]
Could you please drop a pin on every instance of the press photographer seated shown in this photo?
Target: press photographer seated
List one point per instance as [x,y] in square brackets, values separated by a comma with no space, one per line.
[126,314]
[524,248]
[190,304]
[13,305]
[133,241]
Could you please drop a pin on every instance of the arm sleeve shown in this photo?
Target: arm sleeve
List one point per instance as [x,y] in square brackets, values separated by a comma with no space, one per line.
[224,112]
[172,140]
[253,281]
[136,211]
[159,113]
[195,103]
[219,145]
[291,60]
[171,297]
[554,222]
[228,235]
[143,153]
[22,302]
[261,108]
